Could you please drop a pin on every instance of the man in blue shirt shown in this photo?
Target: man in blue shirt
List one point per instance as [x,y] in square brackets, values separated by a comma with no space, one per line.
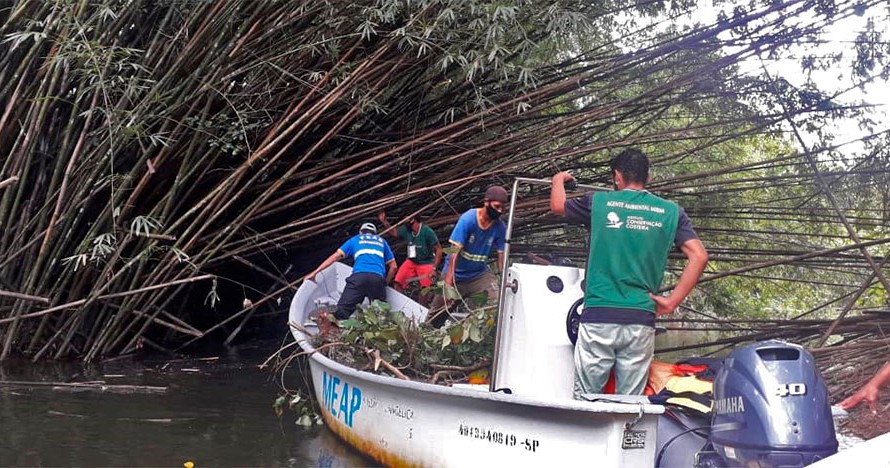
[477,231]
[372,259]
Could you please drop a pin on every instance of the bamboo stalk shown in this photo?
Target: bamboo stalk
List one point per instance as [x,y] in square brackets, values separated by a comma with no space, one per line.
[81,302]
[24,297]
[243,144]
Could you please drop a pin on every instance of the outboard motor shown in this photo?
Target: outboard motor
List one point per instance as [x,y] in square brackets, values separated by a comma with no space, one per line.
[771,408]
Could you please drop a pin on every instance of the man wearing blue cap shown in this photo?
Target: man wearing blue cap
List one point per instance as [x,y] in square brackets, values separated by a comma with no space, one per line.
[372,259]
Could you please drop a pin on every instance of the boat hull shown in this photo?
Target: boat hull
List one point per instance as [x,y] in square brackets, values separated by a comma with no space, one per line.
[400,423]
[408,423]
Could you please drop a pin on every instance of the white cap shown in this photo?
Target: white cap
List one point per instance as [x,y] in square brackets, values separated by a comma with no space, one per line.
[368,227]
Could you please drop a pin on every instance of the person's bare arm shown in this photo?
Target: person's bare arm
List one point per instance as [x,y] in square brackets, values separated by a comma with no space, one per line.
[697,259]
[439,253]
[391,271]
[870,392]
[558,193]
[387,231]
[452,262]
[338,255]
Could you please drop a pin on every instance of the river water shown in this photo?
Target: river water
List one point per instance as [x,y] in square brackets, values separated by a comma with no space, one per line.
[216,411]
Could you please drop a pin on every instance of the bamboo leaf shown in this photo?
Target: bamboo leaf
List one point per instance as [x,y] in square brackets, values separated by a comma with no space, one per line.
[475,333]
[456,333]
[16,39]
[350,323]
[305,421]
[144,225]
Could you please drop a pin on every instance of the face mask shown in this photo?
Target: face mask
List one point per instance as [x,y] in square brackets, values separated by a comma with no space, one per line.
[492,213]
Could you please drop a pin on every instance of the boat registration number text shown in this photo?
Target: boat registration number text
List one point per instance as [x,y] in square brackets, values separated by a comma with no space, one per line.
[498,437]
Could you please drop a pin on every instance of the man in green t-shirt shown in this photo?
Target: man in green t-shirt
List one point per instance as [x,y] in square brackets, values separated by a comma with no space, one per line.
[631,234]
[423,253]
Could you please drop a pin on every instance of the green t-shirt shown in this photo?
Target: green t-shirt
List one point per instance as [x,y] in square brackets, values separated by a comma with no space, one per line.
[631,234]
[422,245]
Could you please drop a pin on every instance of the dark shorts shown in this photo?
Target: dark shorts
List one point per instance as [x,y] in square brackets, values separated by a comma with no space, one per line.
[358,287]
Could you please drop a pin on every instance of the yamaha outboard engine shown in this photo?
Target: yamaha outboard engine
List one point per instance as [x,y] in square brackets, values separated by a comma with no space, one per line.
[771,408]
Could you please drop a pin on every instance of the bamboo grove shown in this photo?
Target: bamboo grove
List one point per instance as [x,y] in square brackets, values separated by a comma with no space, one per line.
[155,154]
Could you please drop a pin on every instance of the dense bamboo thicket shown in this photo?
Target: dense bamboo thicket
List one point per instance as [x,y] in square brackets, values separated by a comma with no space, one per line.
[151,148]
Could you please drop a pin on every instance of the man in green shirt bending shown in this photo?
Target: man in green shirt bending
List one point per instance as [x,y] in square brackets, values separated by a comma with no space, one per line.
[631,234]
[423,253]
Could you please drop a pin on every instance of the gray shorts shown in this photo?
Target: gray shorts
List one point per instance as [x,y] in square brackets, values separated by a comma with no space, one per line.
[602,347]
[486,282]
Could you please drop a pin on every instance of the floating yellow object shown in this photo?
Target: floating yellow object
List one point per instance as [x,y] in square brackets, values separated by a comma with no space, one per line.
[479,377]
[189,464]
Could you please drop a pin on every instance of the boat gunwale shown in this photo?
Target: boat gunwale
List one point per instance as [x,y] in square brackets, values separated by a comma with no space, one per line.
[615,406]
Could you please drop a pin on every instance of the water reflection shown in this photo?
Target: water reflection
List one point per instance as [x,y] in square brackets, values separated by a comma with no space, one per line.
[215,412]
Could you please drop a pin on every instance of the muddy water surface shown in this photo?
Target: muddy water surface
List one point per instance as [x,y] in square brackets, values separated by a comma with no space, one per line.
[217,411]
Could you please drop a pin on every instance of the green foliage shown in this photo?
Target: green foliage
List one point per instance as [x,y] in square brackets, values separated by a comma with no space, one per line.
[476,36]
[303,408]
[230,134]
[411,346]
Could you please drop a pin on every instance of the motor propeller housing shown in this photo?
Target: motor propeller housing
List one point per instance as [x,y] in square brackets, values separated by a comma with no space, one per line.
[771,408]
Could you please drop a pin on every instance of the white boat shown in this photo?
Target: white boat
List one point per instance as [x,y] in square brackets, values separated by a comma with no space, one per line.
[871,453]
[407,423]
